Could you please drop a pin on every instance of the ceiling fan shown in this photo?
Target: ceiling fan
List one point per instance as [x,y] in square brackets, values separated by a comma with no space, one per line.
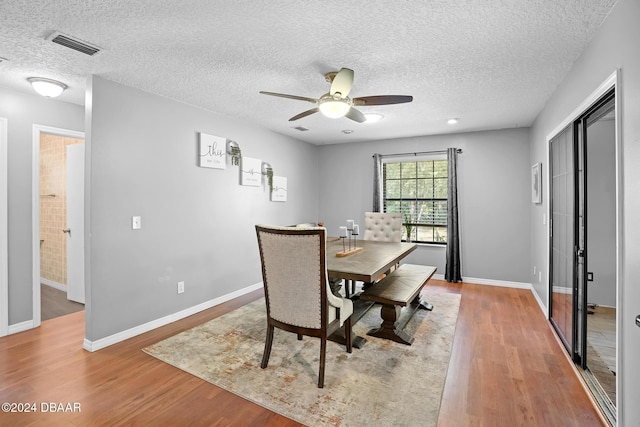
[336,103]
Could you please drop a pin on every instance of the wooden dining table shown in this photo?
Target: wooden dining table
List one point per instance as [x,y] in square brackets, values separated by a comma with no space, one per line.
[366,265]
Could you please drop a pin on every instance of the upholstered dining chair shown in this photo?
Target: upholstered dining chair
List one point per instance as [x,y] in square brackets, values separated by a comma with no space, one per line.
[381,227]
[297,294]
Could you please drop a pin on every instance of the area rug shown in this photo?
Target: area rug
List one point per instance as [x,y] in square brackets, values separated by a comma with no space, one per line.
[382,384]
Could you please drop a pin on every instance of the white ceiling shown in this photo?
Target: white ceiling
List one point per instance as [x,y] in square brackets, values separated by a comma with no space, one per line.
[492,63]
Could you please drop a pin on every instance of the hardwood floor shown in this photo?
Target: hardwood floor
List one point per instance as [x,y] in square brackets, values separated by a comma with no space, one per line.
[506,369]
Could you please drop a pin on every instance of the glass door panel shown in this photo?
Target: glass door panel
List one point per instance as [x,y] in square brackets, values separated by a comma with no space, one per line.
[563,235]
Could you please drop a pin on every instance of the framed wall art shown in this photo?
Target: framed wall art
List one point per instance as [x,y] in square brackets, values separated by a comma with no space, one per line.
[213,151]
[279,190]
[251,173]
[536,183]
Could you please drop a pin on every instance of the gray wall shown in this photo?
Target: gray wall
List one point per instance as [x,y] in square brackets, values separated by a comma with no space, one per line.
[22,111]
[614,46]
[493,195]
[197,223]
[601,212]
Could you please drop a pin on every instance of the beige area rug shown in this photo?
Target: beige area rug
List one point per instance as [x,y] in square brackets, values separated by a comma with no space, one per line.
[382,384]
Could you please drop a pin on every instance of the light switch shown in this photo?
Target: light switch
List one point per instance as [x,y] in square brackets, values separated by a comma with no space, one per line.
[136,222]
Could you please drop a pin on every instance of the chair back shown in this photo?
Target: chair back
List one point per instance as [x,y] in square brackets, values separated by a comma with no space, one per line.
[294,274]
[383,227]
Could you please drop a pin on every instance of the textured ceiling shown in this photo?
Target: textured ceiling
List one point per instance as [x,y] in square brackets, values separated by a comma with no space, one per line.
[492,63]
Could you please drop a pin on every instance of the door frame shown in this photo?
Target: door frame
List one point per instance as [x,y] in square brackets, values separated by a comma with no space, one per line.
[38,130]
[4,230]
[612,82]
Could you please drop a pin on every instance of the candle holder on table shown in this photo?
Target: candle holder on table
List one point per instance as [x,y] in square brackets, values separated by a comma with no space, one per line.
[350,231]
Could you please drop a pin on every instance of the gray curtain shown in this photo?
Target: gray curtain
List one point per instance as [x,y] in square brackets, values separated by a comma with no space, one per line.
[377,183]
[452,268]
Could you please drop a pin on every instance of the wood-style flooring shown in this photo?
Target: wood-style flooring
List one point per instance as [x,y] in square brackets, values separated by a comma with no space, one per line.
[506,369]
[54,303]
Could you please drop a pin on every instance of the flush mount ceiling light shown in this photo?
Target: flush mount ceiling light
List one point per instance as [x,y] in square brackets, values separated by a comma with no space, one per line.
[453,121]
[47,87]
[373,117]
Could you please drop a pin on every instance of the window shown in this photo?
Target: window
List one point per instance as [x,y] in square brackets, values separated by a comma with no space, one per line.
[418,190]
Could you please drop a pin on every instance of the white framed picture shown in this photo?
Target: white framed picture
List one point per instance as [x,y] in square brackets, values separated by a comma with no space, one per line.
[213,151]
[536,183]
[279,190]
[251,172]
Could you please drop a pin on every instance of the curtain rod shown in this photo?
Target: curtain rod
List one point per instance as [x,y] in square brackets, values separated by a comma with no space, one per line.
[417,153]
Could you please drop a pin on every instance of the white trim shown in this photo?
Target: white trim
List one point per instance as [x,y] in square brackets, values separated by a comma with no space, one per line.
[545,310]
[493,282]
[562,290]
[4,231]
[617,84]
[146,327]
[612,82]
[490,282]
[54,285]
[21,327]
[35,209]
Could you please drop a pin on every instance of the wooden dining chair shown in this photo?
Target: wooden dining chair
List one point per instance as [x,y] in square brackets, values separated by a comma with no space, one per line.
[297,294]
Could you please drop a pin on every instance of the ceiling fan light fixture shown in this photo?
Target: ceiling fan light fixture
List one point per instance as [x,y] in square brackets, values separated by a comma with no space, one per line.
[47,87]
[333,108]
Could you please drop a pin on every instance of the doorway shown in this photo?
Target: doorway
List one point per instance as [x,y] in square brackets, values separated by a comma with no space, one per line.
[584,245]
[58,193]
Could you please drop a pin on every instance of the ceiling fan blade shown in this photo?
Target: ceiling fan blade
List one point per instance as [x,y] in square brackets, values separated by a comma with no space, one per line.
[283,95]
[355,115]
[382,100]
[304,114]
[342,82]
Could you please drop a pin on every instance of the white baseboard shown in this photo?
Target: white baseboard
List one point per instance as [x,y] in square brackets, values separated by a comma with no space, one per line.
[562,290]
[543,307]
[146,327]
[20,327]
[53,284]
[493,282]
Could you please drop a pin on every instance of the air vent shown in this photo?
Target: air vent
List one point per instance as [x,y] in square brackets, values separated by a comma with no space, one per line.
[75,44]
[301,129]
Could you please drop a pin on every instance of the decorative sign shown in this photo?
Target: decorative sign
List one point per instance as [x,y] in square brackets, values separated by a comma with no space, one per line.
[279,191]
[213,151]
[536,183]
[251,172]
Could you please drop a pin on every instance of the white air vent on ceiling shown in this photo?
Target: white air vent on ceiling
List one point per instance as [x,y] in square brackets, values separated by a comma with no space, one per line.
[75,44]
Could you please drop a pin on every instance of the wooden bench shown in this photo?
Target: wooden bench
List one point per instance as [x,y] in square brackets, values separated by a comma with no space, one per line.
[400,288]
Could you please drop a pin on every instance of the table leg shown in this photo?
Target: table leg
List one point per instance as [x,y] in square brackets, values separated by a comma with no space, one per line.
[422,304]
[360,308]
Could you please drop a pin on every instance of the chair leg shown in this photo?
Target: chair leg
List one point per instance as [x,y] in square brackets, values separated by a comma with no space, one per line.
[267,347]
[323,354]
[347,333]
[299,337]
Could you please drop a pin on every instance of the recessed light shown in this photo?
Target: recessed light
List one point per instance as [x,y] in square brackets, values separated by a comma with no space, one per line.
[347,131]
[453,121]
[373,117]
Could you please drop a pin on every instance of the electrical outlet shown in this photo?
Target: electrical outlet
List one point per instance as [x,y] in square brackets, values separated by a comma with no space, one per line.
[180,287]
